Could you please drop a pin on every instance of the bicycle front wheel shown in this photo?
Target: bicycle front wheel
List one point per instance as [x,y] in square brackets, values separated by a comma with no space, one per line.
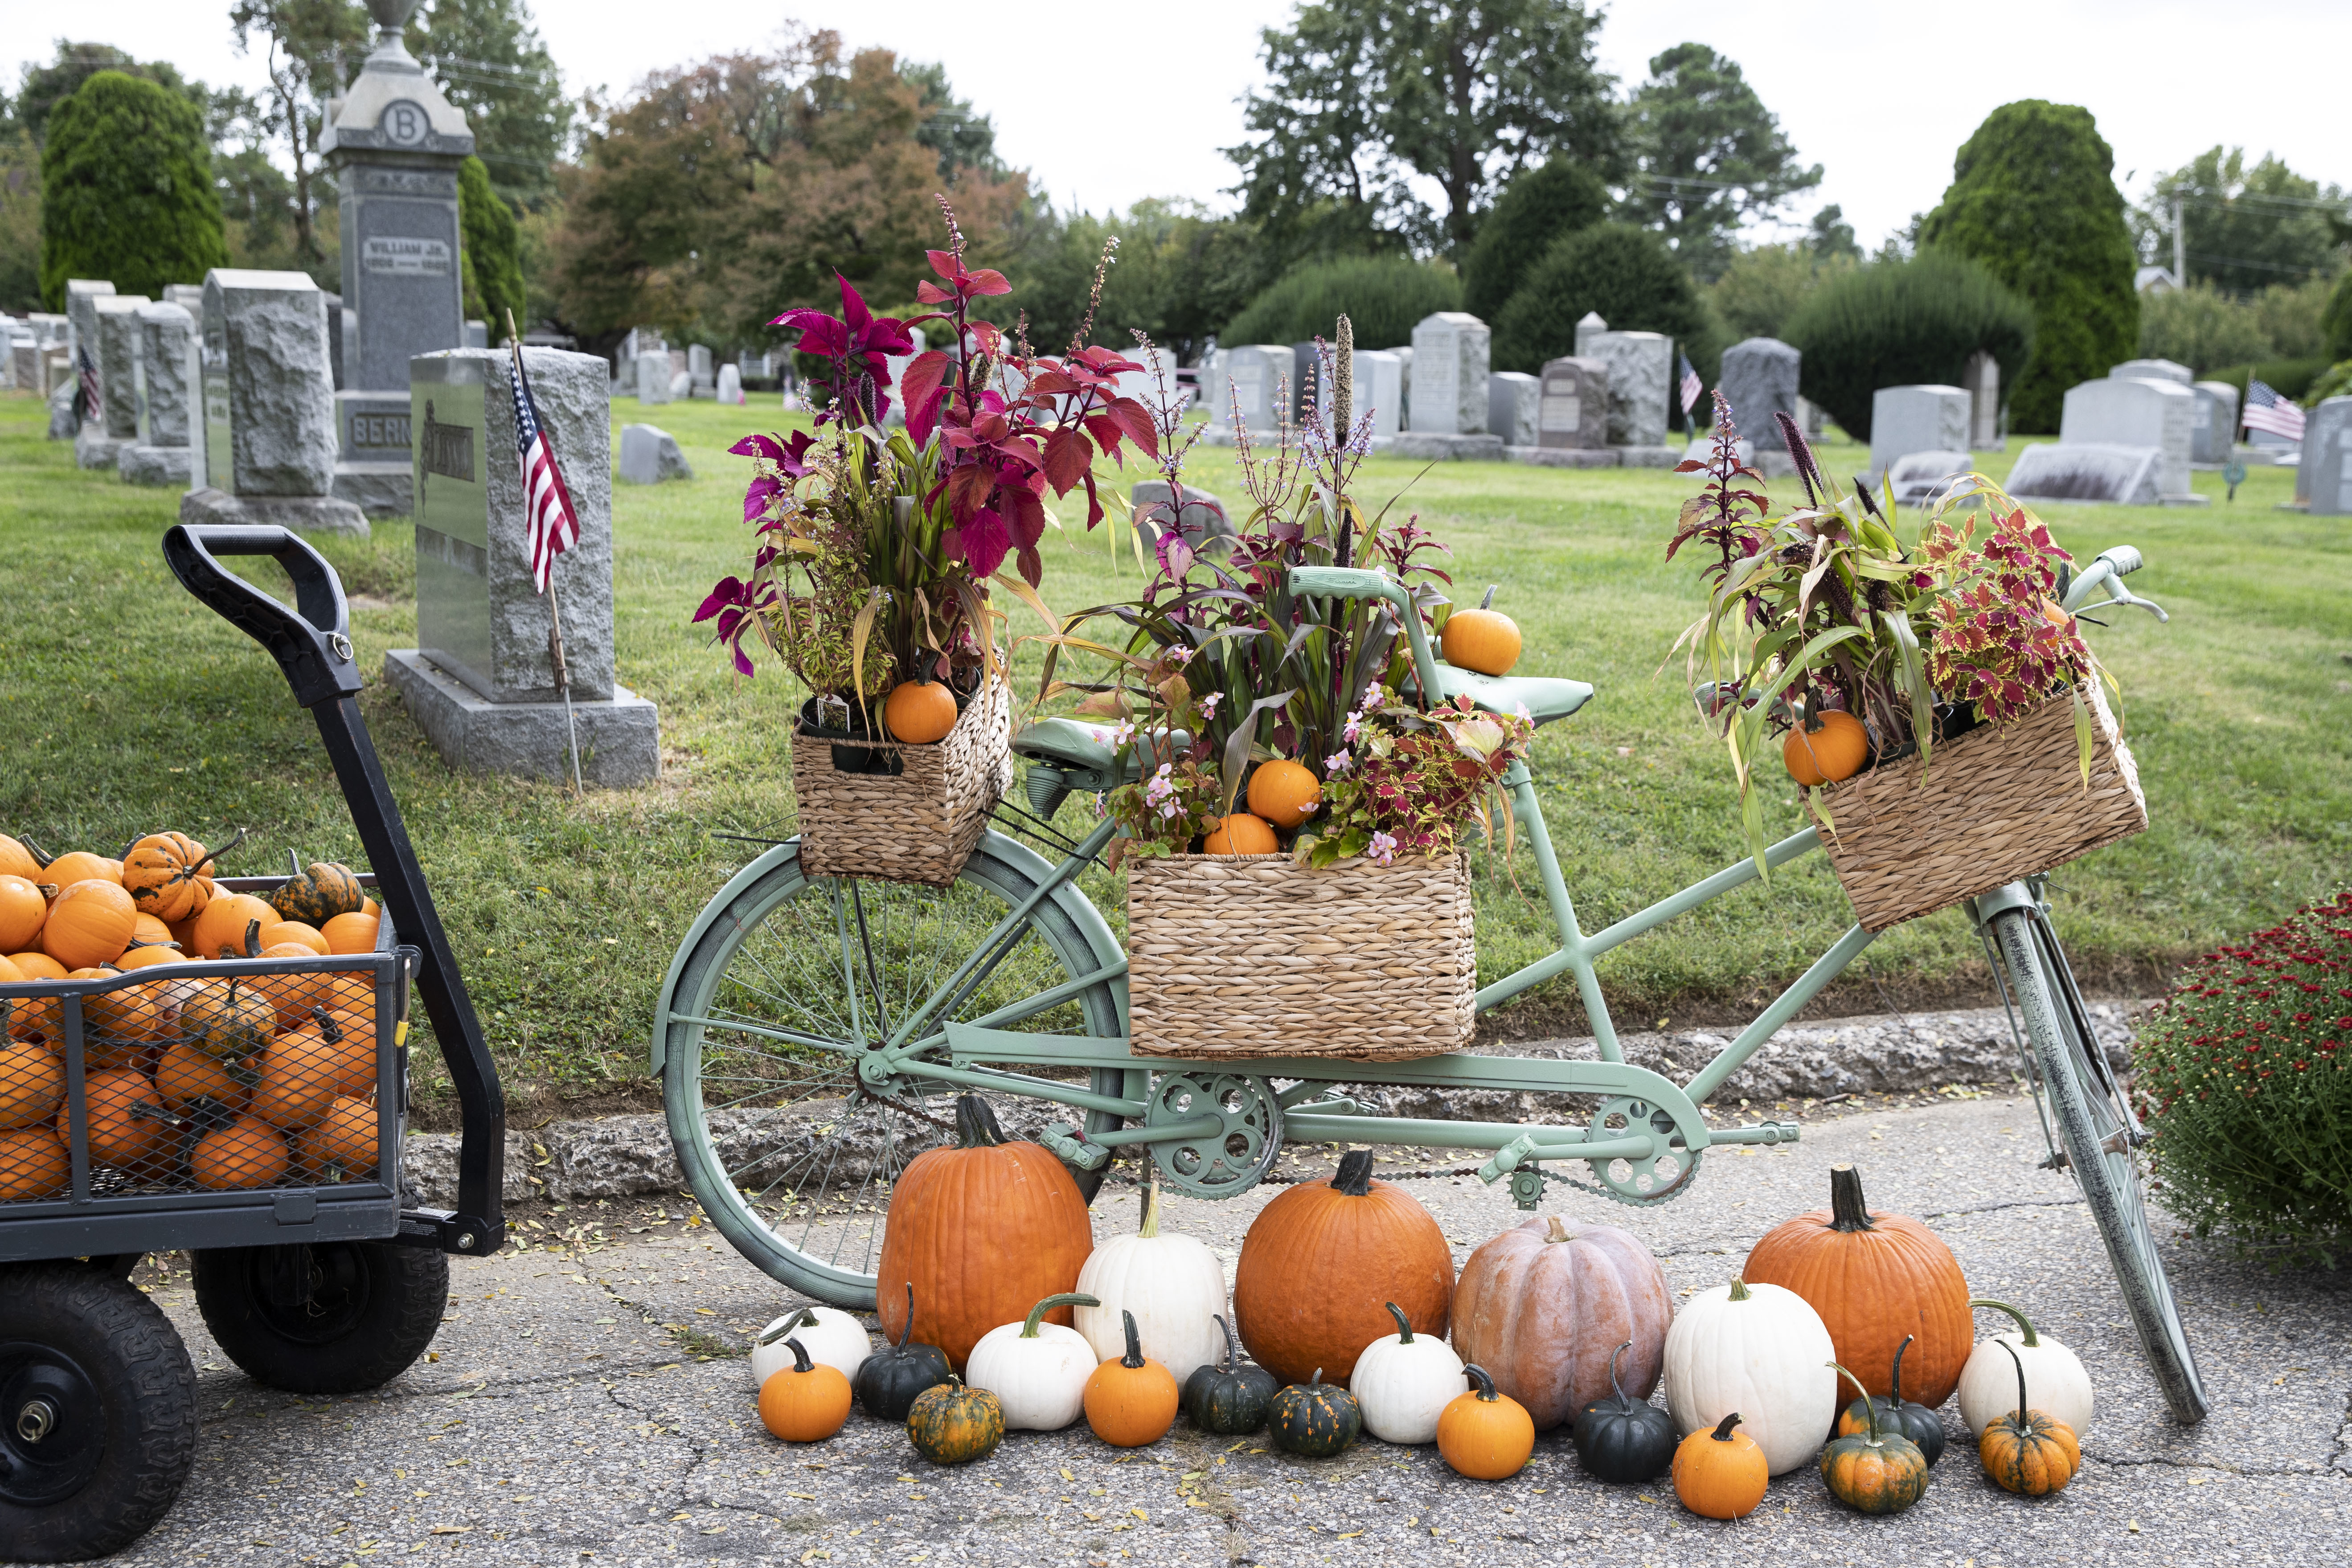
[2099,1131]
[791,1153]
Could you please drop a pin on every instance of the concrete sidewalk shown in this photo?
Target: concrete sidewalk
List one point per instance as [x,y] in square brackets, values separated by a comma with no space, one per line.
[589,1405]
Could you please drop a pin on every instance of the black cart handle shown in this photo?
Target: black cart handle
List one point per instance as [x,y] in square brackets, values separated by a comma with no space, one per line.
[313,647]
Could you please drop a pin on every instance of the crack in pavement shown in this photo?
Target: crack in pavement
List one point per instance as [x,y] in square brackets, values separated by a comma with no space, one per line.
[2159,1462]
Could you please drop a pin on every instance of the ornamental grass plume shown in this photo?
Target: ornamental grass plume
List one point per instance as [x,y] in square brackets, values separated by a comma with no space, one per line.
[2243,1075]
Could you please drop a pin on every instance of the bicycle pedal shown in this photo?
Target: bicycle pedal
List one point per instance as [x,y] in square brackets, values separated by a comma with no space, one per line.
[1506,1158]
[1065,1143]
[2056,1161]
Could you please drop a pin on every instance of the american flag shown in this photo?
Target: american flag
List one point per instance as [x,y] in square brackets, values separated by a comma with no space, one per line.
[1690,387]
[2266,410]
[554,526]
[93,400]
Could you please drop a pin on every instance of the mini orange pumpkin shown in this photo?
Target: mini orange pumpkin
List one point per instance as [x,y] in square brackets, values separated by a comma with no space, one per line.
[806,1402]
[33,1165]
[165,873]
[128,1128]
[295,931]
[15,860]
[349,933]
[32,1085]
[247,1152]
[298,1082]
[81,865]
[41,1015]
[1481,639]
[343,1146]
[187,1075]
[1130,1401]
[350,1053]
[1485,1436]
[919,713]
[225,920]
[1240,834]
[1284,792]
[2026,1451]
[1721,1474]
[1836,751]
[90,924]
[24,908]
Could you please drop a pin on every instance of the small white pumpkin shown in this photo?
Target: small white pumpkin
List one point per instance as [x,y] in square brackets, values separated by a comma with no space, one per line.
[2056,1383]
[831,1337]
[1404,1380]
[1173,1284]
[1759,1349]
[1037,1370]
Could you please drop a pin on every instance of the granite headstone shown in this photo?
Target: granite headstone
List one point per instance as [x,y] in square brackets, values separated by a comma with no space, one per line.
[731,385]
[2153,370]
[1760,379]
[83,295]
[1514,407]
[1574,416]
[1981,379]
[698,369]
[2086,471]
[164,454]
[1920,478]
[650,456]
[2216,429]
[653,376]
[268,407]
[1256,376]
[114,345]
[1204,515]
[2319,470]
[1378,392]
[2137,411]
[1640,370]
[1921,418]
[1451,362]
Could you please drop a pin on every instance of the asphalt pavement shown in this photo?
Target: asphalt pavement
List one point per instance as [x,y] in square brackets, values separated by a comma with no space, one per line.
[587,1404]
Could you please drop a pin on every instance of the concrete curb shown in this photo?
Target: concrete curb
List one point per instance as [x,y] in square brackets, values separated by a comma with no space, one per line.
[630,1155]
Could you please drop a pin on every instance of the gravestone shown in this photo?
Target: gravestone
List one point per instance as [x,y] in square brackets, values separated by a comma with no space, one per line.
[1574,414]
[1212,389]
[25,364]
[1641,371]
[164,454]
[1588,329]
[83,295]
[1981,380]
[1450,350]
[1305,376]
[1378,394]
[1760,379]
[698,369]
[1203,516]
[394,144]
[1255,376]
[1908,420]
[2326,478]
[2086,471]
[650,456]
[1514,407]
[479,680]
[1920,478]
[681,385]
[52,328]
[2215,431]
[1405,386]
[269,404]
[2153,370]
[653,376]
[1812,418]
[2135,411]
[1144,384]
[749,366]
[731,385]
[115,346]
[478,335]
[63,419]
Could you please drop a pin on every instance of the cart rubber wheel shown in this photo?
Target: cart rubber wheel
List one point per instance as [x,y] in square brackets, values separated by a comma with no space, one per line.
[331,1317]
[97,1413]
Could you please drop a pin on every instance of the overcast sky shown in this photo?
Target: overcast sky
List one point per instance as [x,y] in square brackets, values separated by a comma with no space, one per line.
[1104,103]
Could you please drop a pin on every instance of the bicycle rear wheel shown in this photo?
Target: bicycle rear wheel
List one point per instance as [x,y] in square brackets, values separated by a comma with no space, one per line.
[2099,1133]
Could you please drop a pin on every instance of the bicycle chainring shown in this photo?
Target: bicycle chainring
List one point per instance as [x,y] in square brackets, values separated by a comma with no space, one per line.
[1230,1160]
[1657,1180]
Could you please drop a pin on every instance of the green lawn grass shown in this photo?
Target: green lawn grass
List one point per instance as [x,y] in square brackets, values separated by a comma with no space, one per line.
[127,708]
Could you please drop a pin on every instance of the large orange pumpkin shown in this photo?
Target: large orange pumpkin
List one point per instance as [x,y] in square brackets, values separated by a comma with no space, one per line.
[983,1231]
[1875,1278]
[15,860]
[90,924]
[919,713]
[33,1165]
[1285,793]
[187,1075]
[298,1082]
[247,1152]
[1320,1260]
[343,1147]
[165,873]
[23,909]
[128,1128]
[1543,1306]
[1834,752]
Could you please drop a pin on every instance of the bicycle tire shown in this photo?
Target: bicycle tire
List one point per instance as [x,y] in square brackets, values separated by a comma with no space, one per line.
[2095,1127]
[872,1138]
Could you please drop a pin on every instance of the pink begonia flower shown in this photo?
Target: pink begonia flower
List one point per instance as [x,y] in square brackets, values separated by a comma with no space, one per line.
[1382,849]
[1338,763]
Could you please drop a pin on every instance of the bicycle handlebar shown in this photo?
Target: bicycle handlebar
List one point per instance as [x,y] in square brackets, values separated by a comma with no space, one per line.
[1356,582]
[2107,571]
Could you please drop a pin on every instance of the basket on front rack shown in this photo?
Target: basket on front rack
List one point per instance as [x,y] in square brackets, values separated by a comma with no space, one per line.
[899,812]
[1993,806]
[1256,955]
[234,1095]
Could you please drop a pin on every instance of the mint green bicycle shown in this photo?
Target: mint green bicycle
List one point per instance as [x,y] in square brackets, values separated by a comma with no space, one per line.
[812,1033]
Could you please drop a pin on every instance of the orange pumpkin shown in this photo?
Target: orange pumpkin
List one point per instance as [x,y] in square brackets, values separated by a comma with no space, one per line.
[349,1053]
[118,1025]
[919,713]
[1875,1278]
[247,1152]
[806,1402]
[1240,834]
[1836,751]
[33,1165]
[148,932]
[343,1146]
[224,922]
[39,1015]
[1485,1436]
[298,1082]
[128,1128]
[15,860]
[187,1075]
[1295,1315]
[24,908]
[295,992]
[1284,792]
[349,933]
[1481,639]
[81,865]
[983,1231]
[295,931]
[165,873]
[2027,1451]
[32,1085]
[1131,1400]
[90,924]
[1721,1473]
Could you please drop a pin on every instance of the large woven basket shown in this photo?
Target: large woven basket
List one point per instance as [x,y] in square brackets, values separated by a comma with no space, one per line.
[1995,804]
[1255,955]
[919,824]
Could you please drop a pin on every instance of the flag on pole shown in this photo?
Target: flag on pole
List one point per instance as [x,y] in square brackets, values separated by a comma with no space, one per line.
[554,527]
[2266,410]
[93,399]
[1690,387]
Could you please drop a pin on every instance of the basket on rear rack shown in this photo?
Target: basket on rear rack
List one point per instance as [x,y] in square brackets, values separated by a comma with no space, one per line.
[220,1100]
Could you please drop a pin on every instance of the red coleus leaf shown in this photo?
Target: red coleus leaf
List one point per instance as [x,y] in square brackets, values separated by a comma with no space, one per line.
[760,493]
[1025,515]
[1068,455]
[987,281]
[1105,432]
[944,263]
[929,293]
[984,541]
[755,445]
[969,489]
[923,388]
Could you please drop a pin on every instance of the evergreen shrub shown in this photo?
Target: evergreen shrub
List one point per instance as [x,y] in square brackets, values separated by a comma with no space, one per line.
[1627,274]
[127,190]
[1384,297]
[2290,378]
[492,259]
[1900,323]
[1539,206]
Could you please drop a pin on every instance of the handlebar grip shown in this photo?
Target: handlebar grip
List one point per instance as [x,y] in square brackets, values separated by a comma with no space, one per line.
[2123,558]
[1342,583]
[313,647]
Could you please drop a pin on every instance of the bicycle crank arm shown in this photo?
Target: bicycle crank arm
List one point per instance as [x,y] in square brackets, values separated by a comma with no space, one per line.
[1532,1147]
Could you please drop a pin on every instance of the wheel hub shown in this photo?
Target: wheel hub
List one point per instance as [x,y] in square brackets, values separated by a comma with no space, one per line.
[311,1293]
[1660,1177]
[1237,1154]
[51,1434]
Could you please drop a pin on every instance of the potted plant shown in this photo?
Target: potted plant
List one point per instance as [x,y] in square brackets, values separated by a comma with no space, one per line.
[876,551]
[1860,642]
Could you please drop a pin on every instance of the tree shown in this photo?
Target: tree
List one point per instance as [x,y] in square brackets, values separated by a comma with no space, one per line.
[1179,274]
[492,268]
[1762,287]
[1707,156]
[2033,198]
[305,44]
[2335,321]
[20,223]
[491,63]
[127,190]
[1363,95]
[2246,229]
[962,136]
[1900,323]
[1383,297]
[1830,237]
[44,86]
[1626,273]
[1540,204]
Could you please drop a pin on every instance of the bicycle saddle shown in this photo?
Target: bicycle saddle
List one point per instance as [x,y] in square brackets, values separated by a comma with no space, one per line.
[1073,743]
[1545,698]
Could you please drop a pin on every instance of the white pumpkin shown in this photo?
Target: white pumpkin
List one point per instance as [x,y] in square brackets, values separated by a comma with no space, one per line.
[2056,1383]
[1173,1284]
[831,1337]
[1037,1371]
[1763,1351]
[1404,1380]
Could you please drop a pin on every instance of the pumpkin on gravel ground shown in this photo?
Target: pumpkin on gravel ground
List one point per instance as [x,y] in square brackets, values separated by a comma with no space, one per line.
[952,1425]
[806,1402]
[1545,1306]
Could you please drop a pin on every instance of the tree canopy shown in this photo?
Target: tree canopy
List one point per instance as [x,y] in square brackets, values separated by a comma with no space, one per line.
[2247,227]
[1540,204]
[1901,323]
[127,189]
[491,62]
[1626,273]
[1707,156]
[493,270]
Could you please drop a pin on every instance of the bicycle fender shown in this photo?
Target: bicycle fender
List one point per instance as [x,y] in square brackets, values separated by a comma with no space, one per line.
[719,902]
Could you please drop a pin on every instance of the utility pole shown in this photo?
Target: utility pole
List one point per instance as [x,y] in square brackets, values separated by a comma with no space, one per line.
[2180,244]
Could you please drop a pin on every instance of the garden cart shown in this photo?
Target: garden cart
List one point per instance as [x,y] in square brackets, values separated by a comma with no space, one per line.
[182,1128]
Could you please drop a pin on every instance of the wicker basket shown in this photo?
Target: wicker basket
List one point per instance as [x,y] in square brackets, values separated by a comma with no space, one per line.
[1255,955]
[919,824]
[1996,805]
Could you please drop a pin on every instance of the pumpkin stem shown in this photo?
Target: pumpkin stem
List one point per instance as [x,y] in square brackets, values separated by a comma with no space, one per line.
[332,1033]
[2027,1338]
[1232,1345]
[1722,1433]
[1149,1229]
[1133,1359]
[196,868]
[801,1362]
[1897,1395]
[1740,1291]
[1614,1383]
[2024,1416]
[1355,1178]
[1037,1313]
[909,1332]
[1558,1231]
[41,856]
[1404,1325]
[1869,1406]
[1846,1210]
[1489,601]
[1481,1382]
[1316,1381]
[976,1125]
